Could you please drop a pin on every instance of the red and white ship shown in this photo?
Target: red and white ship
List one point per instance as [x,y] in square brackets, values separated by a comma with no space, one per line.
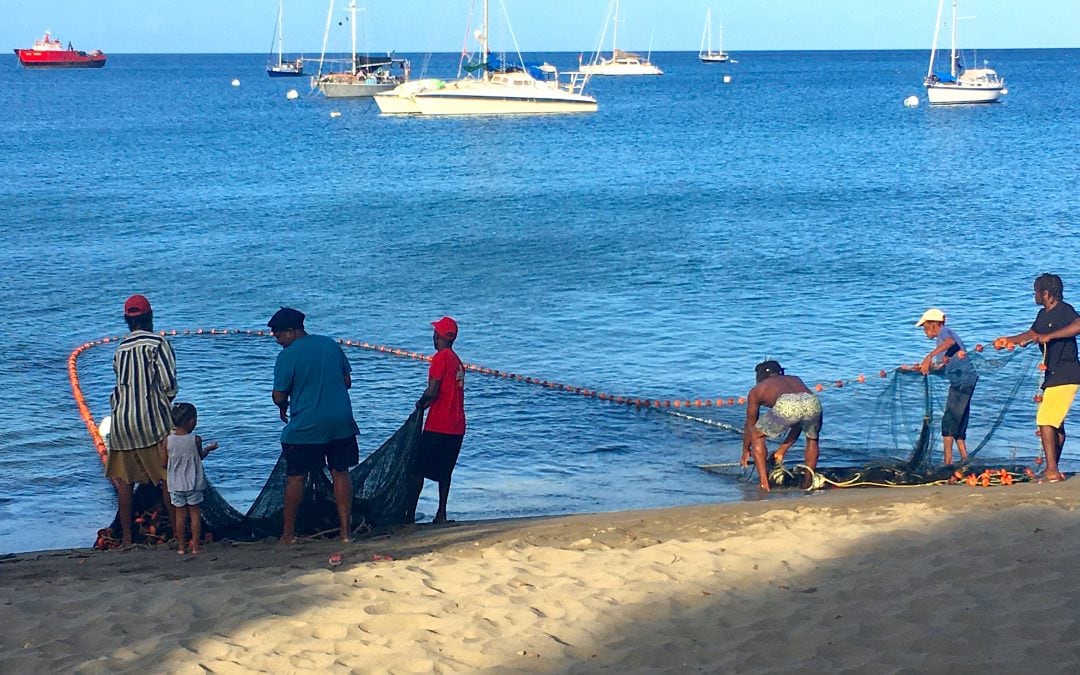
[49,53]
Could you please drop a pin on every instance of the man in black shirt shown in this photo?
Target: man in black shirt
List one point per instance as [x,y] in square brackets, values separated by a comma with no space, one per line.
[1055,329]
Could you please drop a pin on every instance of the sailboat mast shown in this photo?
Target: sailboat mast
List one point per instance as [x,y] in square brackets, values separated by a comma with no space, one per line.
[937,34]
[706,34]
[952,52]
[352,12]
[326,35]
[280,31]
[615,30]
[484,42]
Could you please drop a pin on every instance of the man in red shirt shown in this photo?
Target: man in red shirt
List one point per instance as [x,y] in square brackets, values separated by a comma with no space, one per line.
[444,429]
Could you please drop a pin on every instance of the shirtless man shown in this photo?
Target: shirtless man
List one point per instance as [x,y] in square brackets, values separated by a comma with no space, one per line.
[793,409]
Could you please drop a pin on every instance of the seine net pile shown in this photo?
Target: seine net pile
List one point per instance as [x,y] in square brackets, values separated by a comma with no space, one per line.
[379,498]
[886,431]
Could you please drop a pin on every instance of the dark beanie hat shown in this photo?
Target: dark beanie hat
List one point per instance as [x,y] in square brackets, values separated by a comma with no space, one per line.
[286,318]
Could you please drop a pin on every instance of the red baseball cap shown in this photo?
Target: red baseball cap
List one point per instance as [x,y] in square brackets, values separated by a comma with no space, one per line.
[137,305]
[446,327]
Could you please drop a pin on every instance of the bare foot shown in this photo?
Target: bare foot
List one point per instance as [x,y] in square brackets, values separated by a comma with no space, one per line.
[195,550]
[288,541]
[765,486]
[181,551]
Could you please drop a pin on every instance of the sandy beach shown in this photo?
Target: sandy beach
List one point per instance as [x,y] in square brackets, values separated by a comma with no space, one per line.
[926,579]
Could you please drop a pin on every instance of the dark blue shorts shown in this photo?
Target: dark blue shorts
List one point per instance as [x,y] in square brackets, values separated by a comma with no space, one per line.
[438,455]
[340,455]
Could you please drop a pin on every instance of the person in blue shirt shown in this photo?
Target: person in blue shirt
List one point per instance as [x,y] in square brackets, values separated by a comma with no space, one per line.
[950,359]
[312,377]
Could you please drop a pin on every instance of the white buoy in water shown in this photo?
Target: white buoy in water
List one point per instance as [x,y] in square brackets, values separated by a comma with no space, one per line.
[911,101]
[334,113]
[292,95]
[236,83]
[104,428]
[727,79]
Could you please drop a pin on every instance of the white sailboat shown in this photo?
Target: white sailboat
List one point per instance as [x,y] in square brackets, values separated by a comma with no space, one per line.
[620,63]
[283,68]
[500,90]
[705,52]
[366,75]
[959,85]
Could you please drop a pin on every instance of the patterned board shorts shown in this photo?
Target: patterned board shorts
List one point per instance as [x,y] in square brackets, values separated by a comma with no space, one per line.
[802,409]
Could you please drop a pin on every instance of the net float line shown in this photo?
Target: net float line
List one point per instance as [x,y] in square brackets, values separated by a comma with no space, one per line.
[80,399]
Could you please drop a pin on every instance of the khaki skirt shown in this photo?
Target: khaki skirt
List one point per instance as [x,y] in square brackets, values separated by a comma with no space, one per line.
[142,465]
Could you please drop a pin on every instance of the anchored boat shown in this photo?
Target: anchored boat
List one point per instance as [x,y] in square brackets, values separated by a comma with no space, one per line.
[48,52]
[959,85]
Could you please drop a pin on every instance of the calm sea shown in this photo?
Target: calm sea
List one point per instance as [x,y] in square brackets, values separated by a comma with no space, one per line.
[659,248]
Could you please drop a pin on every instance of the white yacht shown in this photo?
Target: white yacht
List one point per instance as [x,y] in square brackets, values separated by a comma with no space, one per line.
[500,90]
[959,85]
[621,62]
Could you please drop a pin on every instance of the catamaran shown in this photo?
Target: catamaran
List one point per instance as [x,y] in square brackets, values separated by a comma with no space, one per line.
[959,85]
[283,68]
[366,75]
[500,89]
[620,63]
[705,52]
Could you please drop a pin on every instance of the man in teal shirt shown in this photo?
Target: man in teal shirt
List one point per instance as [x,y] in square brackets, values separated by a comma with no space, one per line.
[312,377]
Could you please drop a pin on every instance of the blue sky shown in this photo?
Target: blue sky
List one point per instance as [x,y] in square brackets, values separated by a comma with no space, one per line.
[411,26]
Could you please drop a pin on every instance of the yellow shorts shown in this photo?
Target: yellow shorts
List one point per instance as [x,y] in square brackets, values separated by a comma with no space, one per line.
[1055,405]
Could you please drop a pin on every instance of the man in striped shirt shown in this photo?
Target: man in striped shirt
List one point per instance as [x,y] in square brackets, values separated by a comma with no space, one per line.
[145,369]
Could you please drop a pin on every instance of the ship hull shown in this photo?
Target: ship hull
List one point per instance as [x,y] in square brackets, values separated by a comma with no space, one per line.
[30,58]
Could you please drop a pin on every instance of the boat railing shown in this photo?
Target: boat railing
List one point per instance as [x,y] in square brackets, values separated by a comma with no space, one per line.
[576,81]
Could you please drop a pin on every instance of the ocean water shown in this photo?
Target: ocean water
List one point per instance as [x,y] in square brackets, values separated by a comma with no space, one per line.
[658,248]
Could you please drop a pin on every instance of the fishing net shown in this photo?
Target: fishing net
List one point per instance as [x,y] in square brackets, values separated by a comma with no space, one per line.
[380,497]
[878,431]
[900,418]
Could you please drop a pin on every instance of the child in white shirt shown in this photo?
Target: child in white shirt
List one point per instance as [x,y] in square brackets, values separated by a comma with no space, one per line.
[187,482]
